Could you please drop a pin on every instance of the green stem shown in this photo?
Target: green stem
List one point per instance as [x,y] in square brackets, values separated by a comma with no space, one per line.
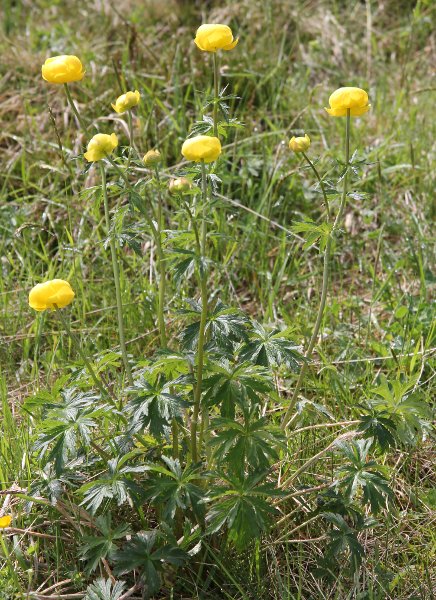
[97,382]
[73,107]
[203,320]
[116,277]
[321,183]
[325,275]
[161,265]
[129,121]
[12,568]
[216,75]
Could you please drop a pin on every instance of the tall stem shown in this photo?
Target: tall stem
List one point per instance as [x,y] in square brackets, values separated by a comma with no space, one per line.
[203,319]
[73,107]
[216,75]
[161,264]
[97,382]
[116,278]
[325,275]
[129,121]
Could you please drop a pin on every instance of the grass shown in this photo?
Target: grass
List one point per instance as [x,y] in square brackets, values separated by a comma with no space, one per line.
[380,312]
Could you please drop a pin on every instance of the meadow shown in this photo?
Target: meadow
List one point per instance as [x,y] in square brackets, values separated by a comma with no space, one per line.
[228,390]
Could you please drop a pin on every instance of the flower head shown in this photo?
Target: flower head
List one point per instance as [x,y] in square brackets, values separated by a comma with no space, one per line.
[152,158]
[299,144]
[126,101]
[179,186]
[5,521]
[351,98]
[55,293]
[201,147]
[214,36]
[100,146]
[62,69]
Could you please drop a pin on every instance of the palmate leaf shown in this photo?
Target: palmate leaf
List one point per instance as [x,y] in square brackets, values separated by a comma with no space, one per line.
[224,327]
[154,406]
[249,445]
[404,406]
[313,232]
[117,484]
[231,385]
[242,506]
[68,422]
[343,539]
[378,426]
[174,487]
[148,553]
[97,547]
[362,474]
[271,348]
[104,589]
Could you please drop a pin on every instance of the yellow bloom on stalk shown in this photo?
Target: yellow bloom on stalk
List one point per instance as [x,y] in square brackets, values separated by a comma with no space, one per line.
[100,146]
[214,36]
[299,144]
[201,147]
[351,98]
[62,69]
[126,101]
[5,521]
[50,293]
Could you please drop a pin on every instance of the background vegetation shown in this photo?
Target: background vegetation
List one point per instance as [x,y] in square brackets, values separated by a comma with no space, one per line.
[379,320]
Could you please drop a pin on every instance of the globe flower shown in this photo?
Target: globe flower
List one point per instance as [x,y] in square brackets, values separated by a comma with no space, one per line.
[201,147]
[100,146]
[62,69]
[152,158]
[179,185]
[346,98]
[126,101]
[50,293]
[5,521]
[299,144]
[212,37]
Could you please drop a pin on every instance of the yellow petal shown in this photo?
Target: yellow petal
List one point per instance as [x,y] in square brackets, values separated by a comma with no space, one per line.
[5,521]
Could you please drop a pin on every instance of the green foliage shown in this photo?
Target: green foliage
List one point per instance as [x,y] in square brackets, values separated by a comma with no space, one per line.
[117,484]
[98,547]
[361,474]
[271,348]
[147,553]
[250,445]
[105,589]
[242,506]
[175,488]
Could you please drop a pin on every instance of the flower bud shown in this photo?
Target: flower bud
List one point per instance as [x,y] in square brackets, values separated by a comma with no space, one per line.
[299,144]
[126,101]
[62,69]
[201,147]
[100,146]
[348,98]
[152,158]
[214,36]
[179,186]
[55,293]
[5,521]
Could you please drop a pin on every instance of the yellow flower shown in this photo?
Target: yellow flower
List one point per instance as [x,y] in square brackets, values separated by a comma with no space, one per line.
[5,521]
[46,295]
[348,97]
[100,146]
[179,185]
[126,101]
[202,147]
[62,69]
[212,37]
[152,158]
[299,144]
